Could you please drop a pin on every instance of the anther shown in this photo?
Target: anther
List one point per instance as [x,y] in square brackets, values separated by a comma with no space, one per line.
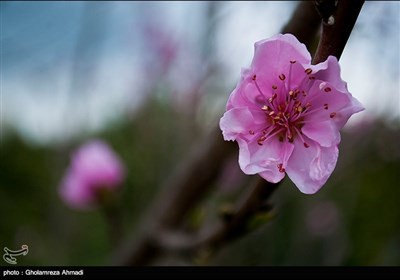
[311,78]
[282,77]
[265,108]
[261,140]
[326,106]
[332,115]
[271,99]
[271,113]
[308,71]
[327,89]
[293,61]
[254,77]
[306,145]
[274,87]
[281,168]
[251,132]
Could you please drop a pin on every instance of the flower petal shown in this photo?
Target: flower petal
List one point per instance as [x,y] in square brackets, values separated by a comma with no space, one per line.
[75,192]
[339,104]
[309,168]
[329,71]
[238,121]
[264,159]
[343,115]
[324,133]
[275,53]
[246,92]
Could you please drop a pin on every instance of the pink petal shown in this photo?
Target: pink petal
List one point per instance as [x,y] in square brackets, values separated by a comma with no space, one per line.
[238,121]
[329,71]
[272,56]
[75,193]
[343,115]
[341,104]
[247,94]
[325,133]
[264,159]
[309,168]
[94,166]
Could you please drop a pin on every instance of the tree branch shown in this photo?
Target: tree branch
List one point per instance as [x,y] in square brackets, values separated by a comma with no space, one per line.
[304,23]
[232,226]
[337,29]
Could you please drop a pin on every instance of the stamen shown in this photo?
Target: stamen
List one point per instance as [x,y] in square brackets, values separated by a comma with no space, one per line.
[308,71]
[301,137]
[265,108]
[332,115]
[274,87]
[289,134]
[293,61]
[282,77]
[299,109]
[272,98]
[326,106]
[258,88]
[261,140]
[327,89]
[281,168]
[290,74]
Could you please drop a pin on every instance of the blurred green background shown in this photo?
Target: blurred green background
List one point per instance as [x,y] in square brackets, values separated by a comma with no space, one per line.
[353,220]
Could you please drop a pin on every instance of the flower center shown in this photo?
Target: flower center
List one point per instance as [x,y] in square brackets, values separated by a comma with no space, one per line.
[287,108]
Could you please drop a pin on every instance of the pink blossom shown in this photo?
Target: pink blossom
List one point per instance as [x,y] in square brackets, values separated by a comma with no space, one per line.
[94,167]
[286,114]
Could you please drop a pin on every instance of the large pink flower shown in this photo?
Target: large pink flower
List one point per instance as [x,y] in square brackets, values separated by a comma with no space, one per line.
[94,167]
[286,114]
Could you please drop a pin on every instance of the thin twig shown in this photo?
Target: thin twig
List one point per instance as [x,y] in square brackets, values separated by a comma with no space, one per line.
[228,229]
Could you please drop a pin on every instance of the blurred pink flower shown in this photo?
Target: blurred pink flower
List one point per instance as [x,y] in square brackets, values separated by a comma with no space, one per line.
[94,167]
[286,114]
